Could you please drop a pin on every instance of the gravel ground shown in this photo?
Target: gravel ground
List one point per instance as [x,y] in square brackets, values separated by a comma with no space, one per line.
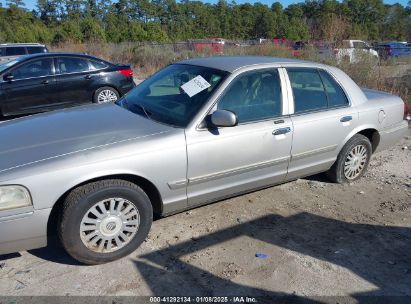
[312,238]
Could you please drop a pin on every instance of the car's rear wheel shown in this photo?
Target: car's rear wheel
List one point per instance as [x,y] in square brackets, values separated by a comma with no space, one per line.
[353,160]
[105,95]
[104,221]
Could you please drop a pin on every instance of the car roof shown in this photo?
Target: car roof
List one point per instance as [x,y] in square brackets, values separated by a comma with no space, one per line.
[21,44]
[233,63]
[51,54]
[393,42]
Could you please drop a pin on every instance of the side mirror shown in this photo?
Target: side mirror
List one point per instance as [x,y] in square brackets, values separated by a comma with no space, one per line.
[224,118]
[8,77]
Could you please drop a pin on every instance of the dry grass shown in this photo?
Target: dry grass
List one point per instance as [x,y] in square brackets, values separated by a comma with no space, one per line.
[392,77]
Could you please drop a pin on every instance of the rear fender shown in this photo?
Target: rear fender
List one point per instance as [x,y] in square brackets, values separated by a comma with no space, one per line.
[356,131]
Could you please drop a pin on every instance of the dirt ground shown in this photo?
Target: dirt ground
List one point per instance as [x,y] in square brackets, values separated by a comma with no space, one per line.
[319,239]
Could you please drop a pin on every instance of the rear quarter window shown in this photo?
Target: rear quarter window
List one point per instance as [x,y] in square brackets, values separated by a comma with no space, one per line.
[97,65]
[36,49]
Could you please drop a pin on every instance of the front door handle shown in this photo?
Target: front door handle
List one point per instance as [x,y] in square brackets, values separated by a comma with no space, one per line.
[282,131]
[346,118]
[87,76]
[45,82]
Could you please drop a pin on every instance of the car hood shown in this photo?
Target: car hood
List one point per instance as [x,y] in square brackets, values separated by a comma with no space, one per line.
[44,136]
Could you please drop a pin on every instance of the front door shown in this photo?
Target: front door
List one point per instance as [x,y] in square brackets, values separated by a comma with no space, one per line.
[32,88]
[253,154]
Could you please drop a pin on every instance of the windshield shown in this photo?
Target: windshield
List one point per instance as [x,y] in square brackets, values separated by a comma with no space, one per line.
[7,64]
[174,95]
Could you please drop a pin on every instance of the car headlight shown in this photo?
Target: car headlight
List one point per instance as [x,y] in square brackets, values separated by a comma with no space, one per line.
[14,196]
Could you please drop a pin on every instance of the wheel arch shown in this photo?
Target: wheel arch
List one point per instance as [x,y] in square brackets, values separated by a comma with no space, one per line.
[369,131]
[102,85]
[373,135]
[147,186]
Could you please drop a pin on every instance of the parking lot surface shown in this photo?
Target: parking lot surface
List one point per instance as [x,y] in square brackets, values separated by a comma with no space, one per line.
[308,238]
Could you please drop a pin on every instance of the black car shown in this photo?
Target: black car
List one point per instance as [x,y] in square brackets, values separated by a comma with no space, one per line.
[42,82]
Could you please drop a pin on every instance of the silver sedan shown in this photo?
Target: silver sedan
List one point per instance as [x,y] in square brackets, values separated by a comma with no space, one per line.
[195,132]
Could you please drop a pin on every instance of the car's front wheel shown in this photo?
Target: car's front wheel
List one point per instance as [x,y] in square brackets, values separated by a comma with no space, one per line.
[352,162]
[105,95]
[105,220]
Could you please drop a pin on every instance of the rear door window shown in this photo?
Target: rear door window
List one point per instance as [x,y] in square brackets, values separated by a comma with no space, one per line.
[359,45]
[97,65]
[15,51]
[315,90]
[308,90]
[68,65]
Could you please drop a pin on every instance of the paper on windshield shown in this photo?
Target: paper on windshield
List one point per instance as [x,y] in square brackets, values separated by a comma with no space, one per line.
[195,86]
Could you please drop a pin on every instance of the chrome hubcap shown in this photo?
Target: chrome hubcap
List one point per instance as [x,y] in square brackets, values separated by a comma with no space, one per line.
[106,96]
[109,225]
[355,162]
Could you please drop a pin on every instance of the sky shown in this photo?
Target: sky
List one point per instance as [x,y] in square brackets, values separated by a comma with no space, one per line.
[30,4]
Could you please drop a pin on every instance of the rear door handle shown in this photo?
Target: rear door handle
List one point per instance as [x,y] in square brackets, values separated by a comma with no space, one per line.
[282,131]
[346,118]
[45,82]
[87,76]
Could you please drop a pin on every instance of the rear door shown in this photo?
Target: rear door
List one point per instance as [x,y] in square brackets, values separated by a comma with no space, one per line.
[74,79]
[322,119]
[32,89]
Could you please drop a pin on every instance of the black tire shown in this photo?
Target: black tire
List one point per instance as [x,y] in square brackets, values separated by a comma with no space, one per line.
[99,90]
[336,172]
[78,203]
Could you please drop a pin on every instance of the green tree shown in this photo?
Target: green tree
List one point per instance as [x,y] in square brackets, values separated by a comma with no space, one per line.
[136,32]
[155,32]
[164,20]
[92,30]
[48,11]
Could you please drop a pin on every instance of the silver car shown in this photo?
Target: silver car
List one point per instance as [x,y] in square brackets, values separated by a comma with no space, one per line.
[11,51]
[195,132]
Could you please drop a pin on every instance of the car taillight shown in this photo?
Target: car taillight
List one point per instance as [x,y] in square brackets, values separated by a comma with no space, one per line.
[127,73]
[407,115]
